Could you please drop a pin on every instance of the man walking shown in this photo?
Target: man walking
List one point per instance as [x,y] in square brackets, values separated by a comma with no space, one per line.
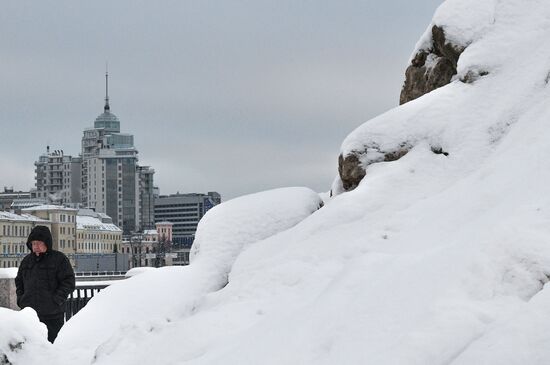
[44,280]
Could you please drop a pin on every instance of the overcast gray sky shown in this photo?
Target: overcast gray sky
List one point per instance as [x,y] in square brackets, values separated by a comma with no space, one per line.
[227,96]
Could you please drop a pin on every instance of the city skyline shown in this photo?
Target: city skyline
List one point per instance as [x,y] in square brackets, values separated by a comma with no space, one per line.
[234,98]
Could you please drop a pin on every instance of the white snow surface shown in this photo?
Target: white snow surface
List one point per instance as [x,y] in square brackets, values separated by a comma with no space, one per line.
[138,270]
[8,273]
[22,337]
[464,21]
[164,300]
[432,259]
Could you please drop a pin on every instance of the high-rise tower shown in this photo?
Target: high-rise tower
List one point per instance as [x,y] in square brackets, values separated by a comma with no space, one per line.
[110,173]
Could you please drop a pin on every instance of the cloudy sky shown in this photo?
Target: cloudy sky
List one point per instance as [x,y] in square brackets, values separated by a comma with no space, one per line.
[228,96]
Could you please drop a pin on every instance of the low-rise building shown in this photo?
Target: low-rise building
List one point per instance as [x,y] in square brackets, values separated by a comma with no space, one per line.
[14,230]
[63,225]
[9,195]
[152,247]
[164,231]
[141,247]
[94,236]
[150,236]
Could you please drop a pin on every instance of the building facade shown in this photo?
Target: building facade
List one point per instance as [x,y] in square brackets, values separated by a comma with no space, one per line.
[152,247]
[62,225]
[14,230]
[95,237]
[140,247]
[184,211]
[146,197]
[164,231]
[57,177]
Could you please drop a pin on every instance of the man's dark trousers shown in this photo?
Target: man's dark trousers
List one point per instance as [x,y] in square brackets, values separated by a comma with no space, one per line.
[54,325]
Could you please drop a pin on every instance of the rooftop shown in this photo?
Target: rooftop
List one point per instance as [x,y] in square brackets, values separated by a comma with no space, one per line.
[49,207]
[20,217]
[86,222]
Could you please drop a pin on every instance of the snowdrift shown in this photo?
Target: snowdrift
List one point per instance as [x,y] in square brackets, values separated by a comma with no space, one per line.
[124,317]
[22,336]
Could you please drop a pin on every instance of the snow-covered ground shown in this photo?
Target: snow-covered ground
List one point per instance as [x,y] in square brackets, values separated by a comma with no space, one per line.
[432,259]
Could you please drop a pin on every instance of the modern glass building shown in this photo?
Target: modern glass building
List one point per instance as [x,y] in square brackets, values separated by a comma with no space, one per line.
[184,211]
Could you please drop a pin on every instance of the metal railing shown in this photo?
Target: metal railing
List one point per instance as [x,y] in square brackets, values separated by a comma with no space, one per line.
[80,297]
[99,273]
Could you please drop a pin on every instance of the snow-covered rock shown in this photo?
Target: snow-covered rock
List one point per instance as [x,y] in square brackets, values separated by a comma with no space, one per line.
[470,115]
[456,25]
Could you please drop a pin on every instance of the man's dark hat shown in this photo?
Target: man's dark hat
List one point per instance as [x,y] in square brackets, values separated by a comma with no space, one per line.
[40,233]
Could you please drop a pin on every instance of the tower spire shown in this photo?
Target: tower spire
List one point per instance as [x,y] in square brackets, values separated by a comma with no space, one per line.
[107,108]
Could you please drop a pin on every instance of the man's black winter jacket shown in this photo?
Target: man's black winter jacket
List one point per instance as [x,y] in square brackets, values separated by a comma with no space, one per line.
[44,282]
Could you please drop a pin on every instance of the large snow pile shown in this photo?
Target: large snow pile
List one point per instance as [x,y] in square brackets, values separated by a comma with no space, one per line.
[126,318]
[432,259]
[22,337]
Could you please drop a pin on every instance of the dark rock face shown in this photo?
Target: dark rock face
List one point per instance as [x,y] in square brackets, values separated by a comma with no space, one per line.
[431,69]
[473,75]
[352,171]
[443,48]
[396,155]
[438,150]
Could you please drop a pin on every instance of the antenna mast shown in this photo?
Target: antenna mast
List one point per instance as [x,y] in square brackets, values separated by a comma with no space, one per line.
[107,107]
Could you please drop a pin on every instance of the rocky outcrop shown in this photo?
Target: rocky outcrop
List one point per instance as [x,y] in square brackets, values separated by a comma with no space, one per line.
[353,167]
[352,170]
[431,68]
